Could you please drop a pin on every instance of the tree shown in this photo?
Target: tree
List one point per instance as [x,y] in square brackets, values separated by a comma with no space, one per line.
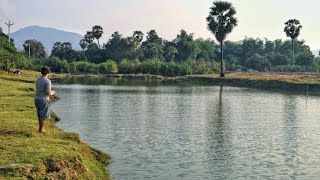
[83,44]
[279,59]
[170,53]
[97,32]
[152,37]
[138,36]
[207,49]
[221,22]
[186,46]
[292,30]
[119,47]
[89,37]
[251,46]
[257,62]
[153,51]
[305,59]
[153,46]
[36,48]
[64,51]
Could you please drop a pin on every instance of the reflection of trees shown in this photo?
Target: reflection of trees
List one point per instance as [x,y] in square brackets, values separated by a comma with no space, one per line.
[219,141]
[290,131]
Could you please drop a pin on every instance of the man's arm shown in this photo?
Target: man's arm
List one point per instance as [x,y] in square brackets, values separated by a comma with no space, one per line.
[49,90]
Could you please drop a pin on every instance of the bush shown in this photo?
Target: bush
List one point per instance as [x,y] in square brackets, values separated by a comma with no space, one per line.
[56,65]
[200,67]
[151,66]
[205,67]
[108,67]
[83,67]
[129,67]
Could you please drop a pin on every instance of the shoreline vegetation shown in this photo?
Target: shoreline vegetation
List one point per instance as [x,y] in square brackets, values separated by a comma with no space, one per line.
[25,153]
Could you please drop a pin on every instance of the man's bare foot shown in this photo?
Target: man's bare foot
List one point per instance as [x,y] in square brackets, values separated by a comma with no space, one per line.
[43,132]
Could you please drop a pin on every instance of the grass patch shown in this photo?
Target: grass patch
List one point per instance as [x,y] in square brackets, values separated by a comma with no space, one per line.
[27,154]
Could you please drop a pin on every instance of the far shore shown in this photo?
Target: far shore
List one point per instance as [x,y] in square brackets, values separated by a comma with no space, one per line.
[297,82]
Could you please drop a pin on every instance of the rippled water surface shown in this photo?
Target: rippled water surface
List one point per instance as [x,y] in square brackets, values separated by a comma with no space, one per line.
[155,130]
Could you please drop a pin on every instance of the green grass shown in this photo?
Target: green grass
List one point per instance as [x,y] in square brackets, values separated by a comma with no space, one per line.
[54,155]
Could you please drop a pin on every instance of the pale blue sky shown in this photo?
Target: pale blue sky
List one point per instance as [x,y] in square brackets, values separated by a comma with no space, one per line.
[257,18]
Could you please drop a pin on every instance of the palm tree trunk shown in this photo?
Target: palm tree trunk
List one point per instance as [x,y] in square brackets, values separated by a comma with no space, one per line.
[98,43]
[221,60]
[293,52]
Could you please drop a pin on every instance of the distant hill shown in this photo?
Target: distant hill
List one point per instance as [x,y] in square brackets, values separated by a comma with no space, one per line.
[316,52]
[47,36]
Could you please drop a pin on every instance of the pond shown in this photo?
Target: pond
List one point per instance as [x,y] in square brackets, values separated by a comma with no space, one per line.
[178,130]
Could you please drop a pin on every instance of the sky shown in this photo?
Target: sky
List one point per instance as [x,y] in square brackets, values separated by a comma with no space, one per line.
[257,18]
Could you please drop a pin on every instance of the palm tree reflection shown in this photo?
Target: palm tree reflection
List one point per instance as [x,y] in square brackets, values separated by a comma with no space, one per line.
[219,139]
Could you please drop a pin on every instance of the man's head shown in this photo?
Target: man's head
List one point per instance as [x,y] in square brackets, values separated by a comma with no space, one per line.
[45,70]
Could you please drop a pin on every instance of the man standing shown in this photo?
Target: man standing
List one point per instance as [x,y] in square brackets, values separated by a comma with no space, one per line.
[43,91]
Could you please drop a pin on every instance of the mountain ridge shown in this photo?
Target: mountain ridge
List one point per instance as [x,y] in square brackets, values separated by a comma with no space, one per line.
[46,35]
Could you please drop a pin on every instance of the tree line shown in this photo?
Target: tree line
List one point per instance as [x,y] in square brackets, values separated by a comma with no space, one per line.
[150,53]
[249,53]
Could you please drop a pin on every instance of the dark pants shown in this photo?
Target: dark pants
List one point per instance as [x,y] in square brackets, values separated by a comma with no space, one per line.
[43,109]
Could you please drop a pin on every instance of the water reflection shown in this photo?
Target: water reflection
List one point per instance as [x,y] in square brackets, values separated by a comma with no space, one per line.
[290,127]
[183,131]
[219,139]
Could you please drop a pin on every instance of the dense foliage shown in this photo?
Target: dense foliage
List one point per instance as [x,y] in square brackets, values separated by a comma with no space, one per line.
[154,55]
[10,57]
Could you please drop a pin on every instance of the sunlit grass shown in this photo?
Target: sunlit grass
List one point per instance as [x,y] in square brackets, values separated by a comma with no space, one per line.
[22,144]
[285,77]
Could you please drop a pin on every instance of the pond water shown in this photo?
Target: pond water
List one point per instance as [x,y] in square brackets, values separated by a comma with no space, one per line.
[175,130]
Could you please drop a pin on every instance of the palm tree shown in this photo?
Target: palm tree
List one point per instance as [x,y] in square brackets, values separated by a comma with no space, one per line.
[221,21]
[83,44]
[89,37]
[97,32]
[292,30]
[138,36]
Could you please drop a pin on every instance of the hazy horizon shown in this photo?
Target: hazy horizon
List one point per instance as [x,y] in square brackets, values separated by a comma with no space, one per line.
[262,19]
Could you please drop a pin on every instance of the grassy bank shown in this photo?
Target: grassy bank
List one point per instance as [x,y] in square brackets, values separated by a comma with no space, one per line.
[27,154]
[293,82]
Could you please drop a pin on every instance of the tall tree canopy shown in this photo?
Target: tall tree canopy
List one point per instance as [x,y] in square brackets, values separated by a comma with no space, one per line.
[153,46]
[97,32]
[186,46]
[89,37]
[64,51]
[83,44]
[292,29]
[36,48]
[221,22]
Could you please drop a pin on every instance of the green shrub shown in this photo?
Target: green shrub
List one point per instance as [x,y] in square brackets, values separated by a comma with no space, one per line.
[83,67]
[151,66]
[129,67]
[205,67]
[108,67]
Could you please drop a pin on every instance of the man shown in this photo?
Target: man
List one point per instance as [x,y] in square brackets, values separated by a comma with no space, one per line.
[43,91]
